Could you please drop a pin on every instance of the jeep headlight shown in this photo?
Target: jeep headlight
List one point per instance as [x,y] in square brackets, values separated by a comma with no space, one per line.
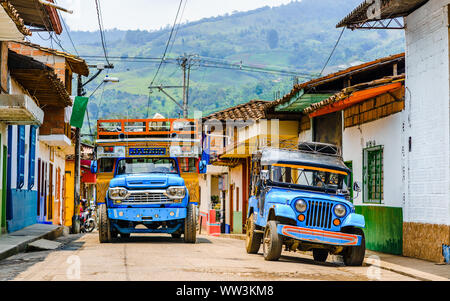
[340,210]
[301,206]
[176,192]
[117,193]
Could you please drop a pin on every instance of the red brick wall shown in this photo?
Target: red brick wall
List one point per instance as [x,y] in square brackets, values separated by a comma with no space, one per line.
[59,67]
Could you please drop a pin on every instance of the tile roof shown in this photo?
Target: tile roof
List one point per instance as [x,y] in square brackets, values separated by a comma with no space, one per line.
[389,9]
[334,76]
[252,110]
[347,92]
[78,65]
[15,17]
[39,80]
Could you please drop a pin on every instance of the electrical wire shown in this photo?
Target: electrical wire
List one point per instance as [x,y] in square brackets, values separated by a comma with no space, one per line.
[332,52]
[167,45]
[101,29]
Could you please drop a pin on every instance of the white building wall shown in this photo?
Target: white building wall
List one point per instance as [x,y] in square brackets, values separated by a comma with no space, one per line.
[386,132]
[427,123]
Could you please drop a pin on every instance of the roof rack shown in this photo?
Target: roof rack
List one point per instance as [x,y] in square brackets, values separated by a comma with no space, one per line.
[320,148]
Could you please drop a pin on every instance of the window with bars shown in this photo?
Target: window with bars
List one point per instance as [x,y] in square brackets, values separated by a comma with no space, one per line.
[373,175]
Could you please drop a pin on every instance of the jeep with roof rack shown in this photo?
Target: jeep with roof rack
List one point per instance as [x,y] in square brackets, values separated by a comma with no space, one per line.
[300,200]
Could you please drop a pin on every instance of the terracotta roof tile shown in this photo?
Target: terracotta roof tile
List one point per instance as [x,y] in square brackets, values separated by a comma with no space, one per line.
[253,110]
[15,17]
[333,76]
[77,64]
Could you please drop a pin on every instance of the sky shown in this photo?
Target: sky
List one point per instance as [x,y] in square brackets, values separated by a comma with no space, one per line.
[150,14]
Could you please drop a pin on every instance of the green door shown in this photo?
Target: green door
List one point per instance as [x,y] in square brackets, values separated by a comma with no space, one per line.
[3,163]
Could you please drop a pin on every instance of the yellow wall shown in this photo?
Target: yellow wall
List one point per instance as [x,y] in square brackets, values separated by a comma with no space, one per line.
[193,186]
[69,193]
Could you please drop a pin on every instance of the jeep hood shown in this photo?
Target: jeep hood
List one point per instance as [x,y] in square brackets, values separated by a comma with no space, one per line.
[147,181]
[284,195]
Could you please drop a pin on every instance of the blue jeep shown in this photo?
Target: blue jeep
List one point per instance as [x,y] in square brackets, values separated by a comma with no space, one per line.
[150,193]
[300,200]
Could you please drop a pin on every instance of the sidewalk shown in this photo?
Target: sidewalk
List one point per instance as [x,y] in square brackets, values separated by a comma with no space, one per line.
[415,268]
[16,242]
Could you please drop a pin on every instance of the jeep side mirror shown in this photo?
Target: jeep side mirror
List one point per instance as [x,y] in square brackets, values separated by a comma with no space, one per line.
[94,167]
[357,187]
[264,175]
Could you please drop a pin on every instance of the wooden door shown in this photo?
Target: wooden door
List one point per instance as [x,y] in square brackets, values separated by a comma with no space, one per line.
[50,193]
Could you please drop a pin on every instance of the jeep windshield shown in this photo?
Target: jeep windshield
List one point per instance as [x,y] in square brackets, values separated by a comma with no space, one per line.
[146,165]
[308,177]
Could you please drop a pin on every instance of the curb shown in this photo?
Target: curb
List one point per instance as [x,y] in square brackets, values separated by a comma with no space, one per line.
[52,235]
[409,272]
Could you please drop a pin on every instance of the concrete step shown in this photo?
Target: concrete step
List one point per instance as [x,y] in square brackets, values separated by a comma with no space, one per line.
[43,244]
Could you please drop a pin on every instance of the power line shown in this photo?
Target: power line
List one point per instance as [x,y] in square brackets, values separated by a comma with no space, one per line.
[167,45]
[100,25]
[332,52]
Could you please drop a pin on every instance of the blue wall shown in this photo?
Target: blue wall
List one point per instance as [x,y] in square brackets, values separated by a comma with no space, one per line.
[23,208]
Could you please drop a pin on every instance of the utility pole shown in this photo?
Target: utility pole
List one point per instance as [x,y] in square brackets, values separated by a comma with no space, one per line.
[76,227]
[185,63]
[77,185]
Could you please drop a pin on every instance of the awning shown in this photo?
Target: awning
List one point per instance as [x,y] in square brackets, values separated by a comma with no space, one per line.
[389,9]
[39,80]
[38,15]
[355,98]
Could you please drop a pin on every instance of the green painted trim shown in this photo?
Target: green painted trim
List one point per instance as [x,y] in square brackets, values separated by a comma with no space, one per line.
[301,101]
[3,165]
[237,222]
[384,228]
[349,164]
[377,150]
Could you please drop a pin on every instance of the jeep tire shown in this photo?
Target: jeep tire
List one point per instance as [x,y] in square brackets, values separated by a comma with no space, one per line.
[190,225]
[272,243]
[253,239]
[354,256]
[104,227]
[320,255]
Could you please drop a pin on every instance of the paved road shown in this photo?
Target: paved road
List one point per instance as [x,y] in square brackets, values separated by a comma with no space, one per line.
[159,257]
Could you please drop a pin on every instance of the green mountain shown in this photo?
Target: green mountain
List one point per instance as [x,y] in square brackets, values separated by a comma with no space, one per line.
[297,36]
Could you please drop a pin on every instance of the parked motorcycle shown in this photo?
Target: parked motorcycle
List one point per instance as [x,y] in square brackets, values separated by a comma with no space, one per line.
[87,220]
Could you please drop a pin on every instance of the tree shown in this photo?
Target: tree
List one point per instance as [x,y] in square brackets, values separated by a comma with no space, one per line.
[272,38]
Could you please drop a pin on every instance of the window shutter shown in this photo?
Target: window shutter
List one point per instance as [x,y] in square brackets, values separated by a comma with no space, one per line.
[20,156]
[32,158]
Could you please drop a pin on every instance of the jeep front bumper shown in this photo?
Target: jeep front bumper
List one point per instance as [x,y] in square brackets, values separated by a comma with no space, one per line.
[320,236]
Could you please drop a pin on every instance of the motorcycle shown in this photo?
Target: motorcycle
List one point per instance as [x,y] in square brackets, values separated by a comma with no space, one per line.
[87,221]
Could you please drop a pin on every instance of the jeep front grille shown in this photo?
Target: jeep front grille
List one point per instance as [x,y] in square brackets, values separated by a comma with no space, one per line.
[319,214]
[148,197]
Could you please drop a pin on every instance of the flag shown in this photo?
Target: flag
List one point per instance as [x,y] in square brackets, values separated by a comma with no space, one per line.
[78,111]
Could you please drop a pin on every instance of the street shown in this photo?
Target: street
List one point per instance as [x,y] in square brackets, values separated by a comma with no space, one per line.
[161,258]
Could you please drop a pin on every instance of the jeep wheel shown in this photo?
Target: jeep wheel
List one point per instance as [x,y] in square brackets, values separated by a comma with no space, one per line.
[272,243]
[190,225]
[354,256]
[104,228]
[320,255]
[252,240]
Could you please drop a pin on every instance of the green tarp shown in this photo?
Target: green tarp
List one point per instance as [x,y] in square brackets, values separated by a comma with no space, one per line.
[78,111]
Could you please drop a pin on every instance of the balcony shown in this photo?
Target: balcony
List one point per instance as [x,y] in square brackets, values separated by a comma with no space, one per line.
[20,109]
